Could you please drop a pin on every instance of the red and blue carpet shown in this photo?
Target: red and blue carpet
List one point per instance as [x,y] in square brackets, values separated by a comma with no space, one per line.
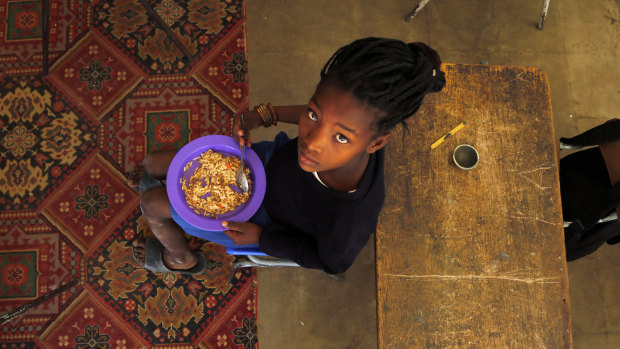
[117,88]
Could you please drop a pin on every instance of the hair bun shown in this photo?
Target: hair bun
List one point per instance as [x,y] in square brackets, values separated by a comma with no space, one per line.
[387,74]
[439,77]
[439,80]
[428,52]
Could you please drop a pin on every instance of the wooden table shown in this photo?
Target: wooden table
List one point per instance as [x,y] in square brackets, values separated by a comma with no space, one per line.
[475,258]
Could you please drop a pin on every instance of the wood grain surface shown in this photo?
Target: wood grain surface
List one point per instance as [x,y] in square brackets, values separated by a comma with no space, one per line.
[475,259]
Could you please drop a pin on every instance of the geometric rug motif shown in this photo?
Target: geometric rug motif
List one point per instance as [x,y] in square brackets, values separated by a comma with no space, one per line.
[166,308]
[161,115]
[21,37]
[87,206]
[66,141]
[198,24]
[87,325]
[224,70]
[34,259]
[240,329]
[18,274]
[95,75]
[43,140]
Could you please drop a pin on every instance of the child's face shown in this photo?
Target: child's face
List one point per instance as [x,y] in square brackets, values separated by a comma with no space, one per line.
[336,131]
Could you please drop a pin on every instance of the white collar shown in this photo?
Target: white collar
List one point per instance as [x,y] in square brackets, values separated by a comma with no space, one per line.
[316,175]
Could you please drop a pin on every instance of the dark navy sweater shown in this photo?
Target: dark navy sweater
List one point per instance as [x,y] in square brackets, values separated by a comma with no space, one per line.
[316,226]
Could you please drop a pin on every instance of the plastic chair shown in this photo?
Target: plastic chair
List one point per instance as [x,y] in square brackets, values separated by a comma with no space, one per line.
[611,217]
[257,258]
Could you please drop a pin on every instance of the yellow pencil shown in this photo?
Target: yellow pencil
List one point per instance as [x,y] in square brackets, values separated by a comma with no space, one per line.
[447,135]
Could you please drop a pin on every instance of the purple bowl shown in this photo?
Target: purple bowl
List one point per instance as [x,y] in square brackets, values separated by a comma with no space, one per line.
[227,146]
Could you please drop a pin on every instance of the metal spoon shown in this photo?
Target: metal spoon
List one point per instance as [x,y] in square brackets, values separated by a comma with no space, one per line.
[242,180]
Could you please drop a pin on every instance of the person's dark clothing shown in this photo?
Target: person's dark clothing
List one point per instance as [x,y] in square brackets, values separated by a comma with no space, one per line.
[587,192]
[313,225]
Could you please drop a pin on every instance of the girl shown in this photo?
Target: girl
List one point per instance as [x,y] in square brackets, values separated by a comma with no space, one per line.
[325,188]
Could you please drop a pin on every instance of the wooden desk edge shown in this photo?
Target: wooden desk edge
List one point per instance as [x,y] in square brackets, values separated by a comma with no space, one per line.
[568,336]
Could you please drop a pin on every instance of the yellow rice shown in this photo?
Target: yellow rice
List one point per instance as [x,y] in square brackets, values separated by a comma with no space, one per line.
[215,174]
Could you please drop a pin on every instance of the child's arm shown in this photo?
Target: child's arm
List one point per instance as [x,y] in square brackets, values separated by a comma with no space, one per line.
[290,113]
[242,233]
[334,250]
[252,120]
[291,243]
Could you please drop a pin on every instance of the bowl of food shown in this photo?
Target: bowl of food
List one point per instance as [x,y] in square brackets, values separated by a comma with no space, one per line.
[201,183]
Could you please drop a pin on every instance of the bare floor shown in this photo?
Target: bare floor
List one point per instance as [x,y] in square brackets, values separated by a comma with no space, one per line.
[290,40]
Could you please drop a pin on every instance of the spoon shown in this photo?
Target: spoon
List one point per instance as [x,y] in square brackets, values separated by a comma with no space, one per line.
[242,180]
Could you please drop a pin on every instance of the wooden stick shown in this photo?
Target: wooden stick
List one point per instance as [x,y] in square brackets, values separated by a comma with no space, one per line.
[26,307]
[160,22]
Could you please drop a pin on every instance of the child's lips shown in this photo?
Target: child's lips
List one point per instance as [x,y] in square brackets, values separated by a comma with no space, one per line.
[306,160]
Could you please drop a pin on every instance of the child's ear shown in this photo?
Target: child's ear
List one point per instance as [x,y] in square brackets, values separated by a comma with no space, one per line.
[378,143]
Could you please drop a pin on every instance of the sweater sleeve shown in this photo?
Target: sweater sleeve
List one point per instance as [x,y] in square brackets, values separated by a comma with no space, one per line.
[313,225]
[333,249]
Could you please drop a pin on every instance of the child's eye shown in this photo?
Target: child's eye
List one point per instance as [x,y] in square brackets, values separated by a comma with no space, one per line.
[312,115]
[341,139]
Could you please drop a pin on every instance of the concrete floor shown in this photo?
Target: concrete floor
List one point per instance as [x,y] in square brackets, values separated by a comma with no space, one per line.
[288,43]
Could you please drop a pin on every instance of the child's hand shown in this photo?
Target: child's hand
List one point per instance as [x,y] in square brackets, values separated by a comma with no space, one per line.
[251,121]
[242,233]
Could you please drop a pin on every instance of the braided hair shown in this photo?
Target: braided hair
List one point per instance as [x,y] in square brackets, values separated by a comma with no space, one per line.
[386,74]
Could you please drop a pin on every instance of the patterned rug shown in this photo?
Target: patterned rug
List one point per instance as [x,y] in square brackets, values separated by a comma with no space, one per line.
[117,88]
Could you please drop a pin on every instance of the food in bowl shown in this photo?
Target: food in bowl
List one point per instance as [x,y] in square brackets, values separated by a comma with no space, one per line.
[209,184]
